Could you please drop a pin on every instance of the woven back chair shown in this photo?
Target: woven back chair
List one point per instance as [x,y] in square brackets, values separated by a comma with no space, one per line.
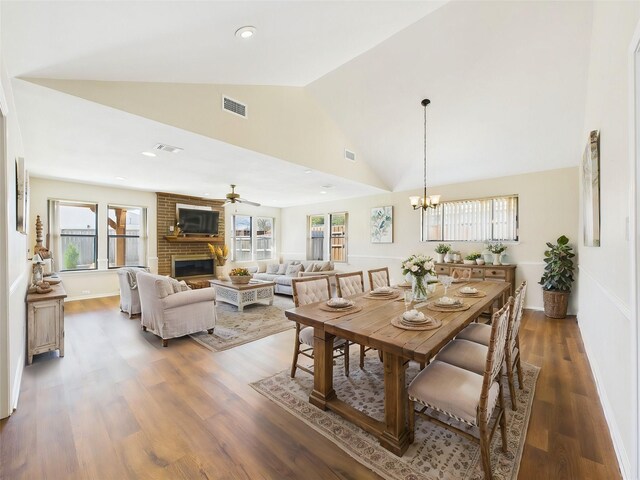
[464,395]
[308,290]
[463,354]
[350,283]
[379,277]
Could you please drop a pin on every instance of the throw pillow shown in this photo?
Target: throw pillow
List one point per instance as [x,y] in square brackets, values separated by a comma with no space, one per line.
[325,267]
[164,288]
[292,270]
[283,268]
[183,286]
[273,269]
[175,285]
[315,267]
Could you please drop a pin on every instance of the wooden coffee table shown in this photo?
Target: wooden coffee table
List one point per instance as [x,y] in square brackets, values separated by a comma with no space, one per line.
[243,294]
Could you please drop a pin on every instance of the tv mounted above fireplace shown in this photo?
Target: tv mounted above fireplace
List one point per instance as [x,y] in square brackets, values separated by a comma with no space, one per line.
[196,220]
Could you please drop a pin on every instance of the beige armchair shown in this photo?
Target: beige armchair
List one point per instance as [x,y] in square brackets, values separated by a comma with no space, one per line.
[129,297]
[169,311]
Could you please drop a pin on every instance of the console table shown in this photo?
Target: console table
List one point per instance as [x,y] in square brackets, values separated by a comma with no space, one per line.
[500,273]
[45,322]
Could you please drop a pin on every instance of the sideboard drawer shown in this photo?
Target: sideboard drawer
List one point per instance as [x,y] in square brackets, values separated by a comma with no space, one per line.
[495,273]
[442,270]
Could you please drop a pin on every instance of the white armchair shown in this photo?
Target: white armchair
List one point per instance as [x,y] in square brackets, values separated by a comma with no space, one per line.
[169,312]
[129,297]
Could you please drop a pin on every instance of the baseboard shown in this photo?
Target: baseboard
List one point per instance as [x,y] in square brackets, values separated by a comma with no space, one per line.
[614,431]
[88,297]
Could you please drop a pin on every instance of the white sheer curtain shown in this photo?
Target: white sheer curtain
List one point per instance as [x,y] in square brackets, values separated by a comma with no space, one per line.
[55,243]
[482,220]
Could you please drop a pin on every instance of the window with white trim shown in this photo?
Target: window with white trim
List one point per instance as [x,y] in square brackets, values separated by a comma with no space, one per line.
[479,220]
[126,228]
[77,235]
[252,238]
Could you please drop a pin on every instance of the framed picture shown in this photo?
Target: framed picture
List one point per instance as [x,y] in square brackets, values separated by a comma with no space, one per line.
[591,190]
[22,196]
[382,224]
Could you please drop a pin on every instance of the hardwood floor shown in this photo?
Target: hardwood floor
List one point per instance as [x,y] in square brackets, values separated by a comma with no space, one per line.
[121,406]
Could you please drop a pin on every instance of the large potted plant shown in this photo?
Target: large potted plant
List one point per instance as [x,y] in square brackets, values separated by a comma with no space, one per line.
[557,278]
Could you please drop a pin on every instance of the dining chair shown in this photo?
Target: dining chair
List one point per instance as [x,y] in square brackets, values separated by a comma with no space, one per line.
[468,350]
[379,277]
[464,395]
[349,284]
[308,290]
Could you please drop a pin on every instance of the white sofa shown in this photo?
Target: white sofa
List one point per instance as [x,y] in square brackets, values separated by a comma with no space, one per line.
[286,271]
[171,309]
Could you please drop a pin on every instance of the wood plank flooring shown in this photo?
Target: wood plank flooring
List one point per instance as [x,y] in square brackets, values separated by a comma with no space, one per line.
[119,406]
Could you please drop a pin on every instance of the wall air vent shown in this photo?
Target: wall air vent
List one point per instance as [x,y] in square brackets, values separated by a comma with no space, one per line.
[349,155]
[166,148]
[233,106]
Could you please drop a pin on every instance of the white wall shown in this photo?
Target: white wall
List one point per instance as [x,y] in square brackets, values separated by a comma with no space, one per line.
[101,282]
[608,329]
[548,208]
[14,267]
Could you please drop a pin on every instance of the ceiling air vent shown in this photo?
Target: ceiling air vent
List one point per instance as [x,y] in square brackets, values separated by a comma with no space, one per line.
[349,155]
[233,106]
[166,148]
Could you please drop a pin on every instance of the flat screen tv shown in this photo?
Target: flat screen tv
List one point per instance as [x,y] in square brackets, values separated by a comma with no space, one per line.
[197,221]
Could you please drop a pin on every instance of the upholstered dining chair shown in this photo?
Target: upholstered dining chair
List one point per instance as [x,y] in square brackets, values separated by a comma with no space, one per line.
[308,290]
[469,349]
[349,284]
[464,395]
[379,277]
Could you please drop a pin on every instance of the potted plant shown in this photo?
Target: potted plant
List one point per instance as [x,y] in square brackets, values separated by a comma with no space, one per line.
[497,249]
[557,278]
[441,250]
[472,258]
[239,275]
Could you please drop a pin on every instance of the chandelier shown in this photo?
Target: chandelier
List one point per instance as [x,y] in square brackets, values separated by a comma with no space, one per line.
[425,201]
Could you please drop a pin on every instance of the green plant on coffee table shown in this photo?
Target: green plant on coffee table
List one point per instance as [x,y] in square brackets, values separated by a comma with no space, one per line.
[558,269]
[239,272]
[496,248]
[473,256]
[443,248]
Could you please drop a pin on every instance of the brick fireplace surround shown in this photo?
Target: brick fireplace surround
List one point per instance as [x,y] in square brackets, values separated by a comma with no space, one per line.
[167,218]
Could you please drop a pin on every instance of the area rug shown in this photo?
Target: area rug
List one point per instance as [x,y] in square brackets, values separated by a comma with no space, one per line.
[436,452]
[235,328]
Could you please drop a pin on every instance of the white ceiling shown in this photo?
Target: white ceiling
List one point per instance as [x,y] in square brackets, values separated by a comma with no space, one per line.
[507,83]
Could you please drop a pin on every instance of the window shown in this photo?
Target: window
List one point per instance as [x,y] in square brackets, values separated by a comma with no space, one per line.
[252,238]
[319,233]
[481,220]
[126,227]
[315,247]
[78,237]
[264,238]
[338,237]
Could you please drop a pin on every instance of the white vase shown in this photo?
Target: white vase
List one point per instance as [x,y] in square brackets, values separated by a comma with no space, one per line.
[496,259]
[440,257]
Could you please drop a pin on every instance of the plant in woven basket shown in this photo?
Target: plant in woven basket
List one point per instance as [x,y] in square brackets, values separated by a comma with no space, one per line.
[557,278]
[239,272]
[558,269]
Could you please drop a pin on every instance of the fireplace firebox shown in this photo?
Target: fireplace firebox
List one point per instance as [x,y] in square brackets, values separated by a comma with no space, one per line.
[192,266]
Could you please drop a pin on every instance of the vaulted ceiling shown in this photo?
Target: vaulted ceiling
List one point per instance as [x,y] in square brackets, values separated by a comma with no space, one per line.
[507,81]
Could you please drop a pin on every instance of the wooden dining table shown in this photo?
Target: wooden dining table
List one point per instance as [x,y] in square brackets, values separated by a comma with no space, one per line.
[371,326]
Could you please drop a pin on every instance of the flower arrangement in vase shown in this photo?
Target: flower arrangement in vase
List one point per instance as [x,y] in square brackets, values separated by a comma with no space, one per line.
[418,266]
[497,249]
[221,253]
[239,275]
[472,258]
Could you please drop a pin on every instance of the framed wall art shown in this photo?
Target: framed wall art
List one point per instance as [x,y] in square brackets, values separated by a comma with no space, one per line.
[382,224]
[591,190]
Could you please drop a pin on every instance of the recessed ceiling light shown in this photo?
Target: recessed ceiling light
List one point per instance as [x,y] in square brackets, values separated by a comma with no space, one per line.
[327,187]
[120,178]
[323,191]
[148,154]
[206,194]
[308,171]
[246,32]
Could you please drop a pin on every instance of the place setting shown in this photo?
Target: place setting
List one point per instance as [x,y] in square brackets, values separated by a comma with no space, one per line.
[339,304]
[448,304]
[383,293]
[470,292]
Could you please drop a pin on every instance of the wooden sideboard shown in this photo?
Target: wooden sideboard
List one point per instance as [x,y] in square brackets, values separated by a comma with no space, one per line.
[501,273]
[45,322]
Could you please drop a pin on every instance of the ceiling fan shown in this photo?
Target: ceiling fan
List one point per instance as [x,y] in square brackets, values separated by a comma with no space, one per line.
[234,197]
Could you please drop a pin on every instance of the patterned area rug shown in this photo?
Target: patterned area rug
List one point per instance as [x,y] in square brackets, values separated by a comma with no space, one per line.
[257,321]
[436,453]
